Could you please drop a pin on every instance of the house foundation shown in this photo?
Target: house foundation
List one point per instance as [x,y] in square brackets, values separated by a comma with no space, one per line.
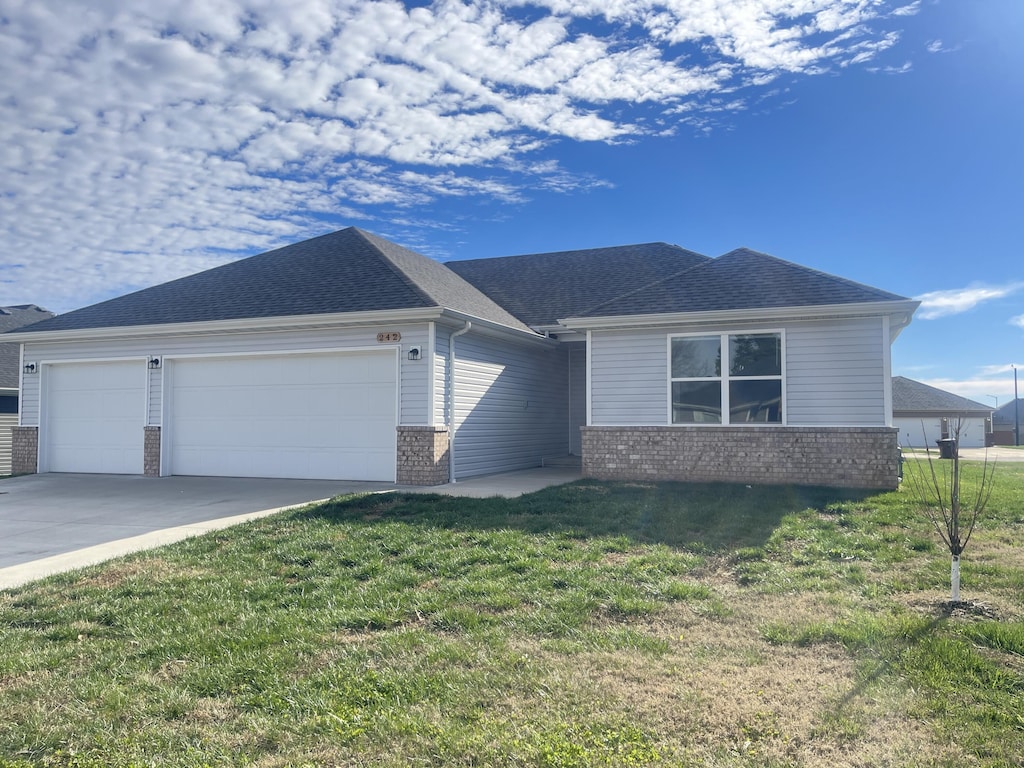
[846,457]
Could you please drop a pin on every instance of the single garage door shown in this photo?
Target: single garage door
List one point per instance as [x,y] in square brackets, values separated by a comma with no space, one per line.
[315,416]
[94,415]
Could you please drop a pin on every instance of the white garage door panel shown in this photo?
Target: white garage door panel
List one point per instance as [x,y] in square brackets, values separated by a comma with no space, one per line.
[329,416]
[94,417]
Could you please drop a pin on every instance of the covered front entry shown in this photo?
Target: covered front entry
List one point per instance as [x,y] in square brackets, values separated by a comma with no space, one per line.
[93,417]
[329,416]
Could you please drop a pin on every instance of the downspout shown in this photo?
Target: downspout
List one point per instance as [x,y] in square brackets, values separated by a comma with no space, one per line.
[451,399]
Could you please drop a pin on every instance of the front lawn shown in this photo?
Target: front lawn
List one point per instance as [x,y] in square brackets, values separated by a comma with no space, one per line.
[595,624]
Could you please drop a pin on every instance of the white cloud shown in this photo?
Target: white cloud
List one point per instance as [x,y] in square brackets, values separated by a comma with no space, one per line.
[984,388]
[1018,321]
[938,46]
[936,304]
[143,141]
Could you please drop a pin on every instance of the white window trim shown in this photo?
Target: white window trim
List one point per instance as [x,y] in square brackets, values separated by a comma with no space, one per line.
[725,378]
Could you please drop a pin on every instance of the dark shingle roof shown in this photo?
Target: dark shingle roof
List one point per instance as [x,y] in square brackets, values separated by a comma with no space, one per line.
[741,279]
[354,271]
[10,353]
[345,271]
[540,288]
[913,396]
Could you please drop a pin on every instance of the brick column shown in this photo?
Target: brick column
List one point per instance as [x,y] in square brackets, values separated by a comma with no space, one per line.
[423,455]
[25,450]
[151,452]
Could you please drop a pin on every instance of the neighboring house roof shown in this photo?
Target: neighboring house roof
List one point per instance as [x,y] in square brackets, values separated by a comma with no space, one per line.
[345,271]
[10,353]
[741,279]
[909,396]
[540,288]
[1004,415]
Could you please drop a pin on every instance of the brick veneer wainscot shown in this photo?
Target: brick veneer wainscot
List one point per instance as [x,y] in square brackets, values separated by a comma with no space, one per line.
[422,455]
[24,450]
[848,457]
[151,452]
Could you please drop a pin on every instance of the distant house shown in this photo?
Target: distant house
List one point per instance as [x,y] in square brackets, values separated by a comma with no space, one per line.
[10,374]
[924,414]
[1004,423]
[350,357]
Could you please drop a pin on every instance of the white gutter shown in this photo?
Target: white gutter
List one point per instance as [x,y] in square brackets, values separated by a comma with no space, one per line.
[451,398]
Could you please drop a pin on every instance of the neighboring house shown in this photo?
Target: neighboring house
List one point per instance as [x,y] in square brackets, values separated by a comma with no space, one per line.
[925,414]
[10,368]
[350,357]
[1004,423]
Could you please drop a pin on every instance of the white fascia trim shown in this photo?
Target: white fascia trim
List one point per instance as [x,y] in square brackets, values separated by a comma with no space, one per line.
[900,310]
[234,326]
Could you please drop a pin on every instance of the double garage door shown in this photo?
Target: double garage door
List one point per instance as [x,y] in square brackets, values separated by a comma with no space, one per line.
[322,416]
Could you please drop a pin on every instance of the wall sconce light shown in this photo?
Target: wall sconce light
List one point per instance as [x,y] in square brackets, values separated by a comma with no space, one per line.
[154,362]
[30,368]
[414,353]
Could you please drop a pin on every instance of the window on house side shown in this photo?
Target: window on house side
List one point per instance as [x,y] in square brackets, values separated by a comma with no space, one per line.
[726,378]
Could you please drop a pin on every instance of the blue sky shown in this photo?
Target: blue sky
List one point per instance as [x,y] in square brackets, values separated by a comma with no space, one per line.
[880,141]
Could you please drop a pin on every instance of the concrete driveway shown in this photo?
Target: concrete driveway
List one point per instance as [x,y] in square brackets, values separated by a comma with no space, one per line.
[95,517]
[55,522]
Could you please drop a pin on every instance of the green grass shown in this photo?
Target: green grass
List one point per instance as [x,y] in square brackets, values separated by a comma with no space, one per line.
[607,624]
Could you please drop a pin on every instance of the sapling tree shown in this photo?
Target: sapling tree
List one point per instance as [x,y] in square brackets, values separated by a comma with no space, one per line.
[952,506]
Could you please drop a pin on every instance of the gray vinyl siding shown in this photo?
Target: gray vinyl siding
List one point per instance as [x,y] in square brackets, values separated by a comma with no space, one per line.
[154,390]
[7,422]
[414,375]
[629,371]
[28,403]
[835,372]
[577,395]
[511,405]
[441,351]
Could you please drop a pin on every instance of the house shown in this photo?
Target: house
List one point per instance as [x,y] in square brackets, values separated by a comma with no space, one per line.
[1006,421]
[925,414]
[10,356]
[350,357]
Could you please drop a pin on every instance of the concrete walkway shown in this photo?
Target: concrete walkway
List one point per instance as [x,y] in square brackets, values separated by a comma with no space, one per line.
[54,523]
[996,453]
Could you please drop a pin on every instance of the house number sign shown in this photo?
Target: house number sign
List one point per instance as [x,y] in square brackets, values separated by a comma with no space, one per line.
[387,337]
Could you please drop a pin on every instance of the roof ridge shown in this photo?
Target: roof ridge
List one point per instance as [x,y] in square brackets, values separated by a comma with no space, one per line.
[578,250]
[368,238]
[654,283]
[446,280]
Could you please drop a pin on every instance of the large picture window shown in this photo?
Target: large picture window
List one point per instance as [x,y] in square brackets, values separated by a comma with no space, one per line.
[728,378]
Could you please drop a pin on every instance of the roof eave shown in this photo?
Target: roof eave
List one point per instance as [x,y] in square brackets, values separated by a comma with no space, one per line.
[248,325]
[480,323]
[291,322]
[900,313]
